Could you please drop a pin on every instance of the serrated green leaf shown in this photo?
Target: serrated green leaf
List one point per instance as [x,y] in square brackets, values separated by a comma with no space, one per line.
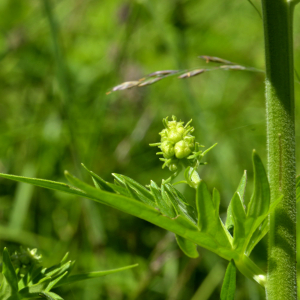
[218,243]
[131,192]
[260,200]
[98,181]
[180,204]
[241,191]
[229,283]
[187,247]
[85,276]
[143,194]
[9,286]
[166,199]
[166,208]
[178,225]
[119,189]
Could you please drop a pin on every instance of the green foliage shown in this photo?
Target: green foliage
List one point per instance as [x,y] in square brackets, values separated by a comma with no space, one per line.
[102,44]
[195,225]
[25,278]
[228,287]
[240,191]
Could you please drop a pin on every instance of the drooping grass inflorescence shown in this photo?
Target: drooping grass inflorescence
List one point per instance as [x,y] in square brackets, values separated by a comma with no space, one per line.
[183,74]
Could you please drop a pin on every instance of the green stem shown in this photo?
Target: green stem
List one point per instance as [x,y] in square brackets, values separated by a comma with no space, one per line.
[281,277]
[247,267]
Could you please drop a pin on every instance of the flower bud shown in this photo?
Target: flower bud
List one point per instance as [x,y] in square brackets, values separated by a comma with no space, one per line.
[175,134]
[168,149]
[176,142]
[182,149]
[164,135]
[190,141]
[173,165]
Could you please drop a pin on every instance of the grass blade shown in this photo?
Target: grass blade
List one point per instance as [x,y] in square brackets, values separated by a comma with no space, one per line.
[85,276]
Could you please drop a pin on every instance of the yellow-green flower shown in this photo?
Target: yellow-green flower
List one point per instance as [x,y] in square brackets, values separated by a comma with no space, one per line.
[176,142]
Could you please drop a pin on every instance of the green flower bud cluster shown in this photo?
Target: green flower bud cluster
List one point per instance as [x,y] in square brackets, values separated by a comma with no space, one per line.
[176,142]
[25,258]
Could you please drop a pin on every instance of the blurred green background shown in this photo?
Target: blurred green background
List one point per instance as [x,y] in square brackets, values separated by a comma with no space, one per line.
[58,59]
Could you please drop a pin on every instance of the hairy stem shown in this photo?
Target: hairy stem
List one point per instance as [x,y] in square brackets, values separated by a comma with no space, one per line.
[278,29]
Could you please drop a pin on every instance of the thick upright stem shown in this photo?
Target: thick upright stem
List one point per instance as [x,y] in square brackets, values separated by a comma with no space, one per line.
[281,277]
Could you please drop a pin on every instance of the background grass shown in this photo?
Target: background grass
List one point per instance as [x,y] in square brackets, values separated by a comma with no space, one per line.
[58,59]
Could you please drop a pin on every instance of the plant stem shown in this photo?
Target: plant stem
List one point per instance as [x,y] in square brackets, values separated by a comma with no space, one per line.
[278,30]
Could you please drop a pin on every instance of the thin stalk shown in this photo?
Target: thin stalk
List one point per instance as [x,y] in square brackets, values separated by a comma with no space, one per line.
[63,77]
[278,31]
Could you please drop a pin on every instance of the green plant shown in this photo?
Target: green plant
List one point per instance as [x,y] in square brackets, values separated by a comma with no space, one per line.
[277,17]
[194,221]
[25,278]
